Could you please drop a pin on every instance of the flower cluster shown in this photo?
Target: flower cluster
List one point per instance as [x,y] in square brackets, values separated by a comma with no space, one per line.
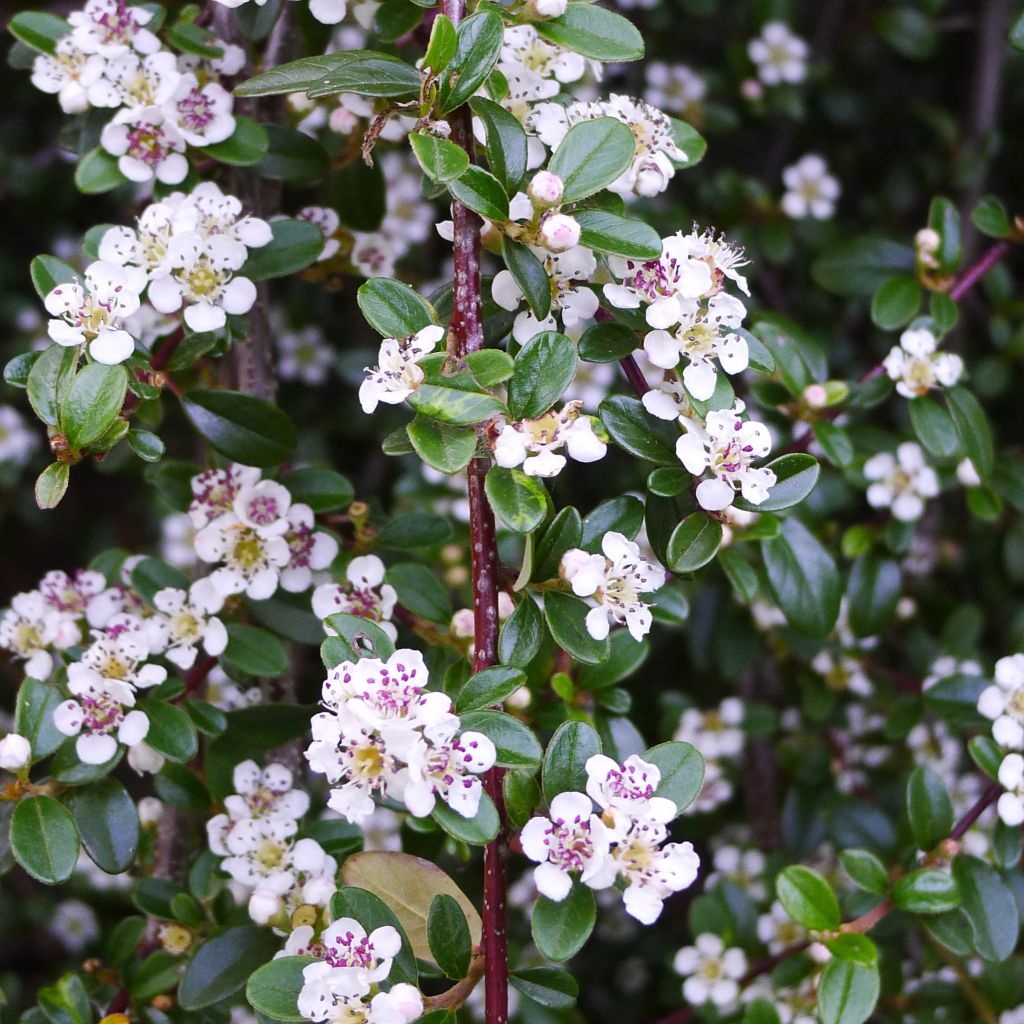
[718,734]
[626,840]
[397,375]
[383,734]
[255,836]
[163,102]
[535,444]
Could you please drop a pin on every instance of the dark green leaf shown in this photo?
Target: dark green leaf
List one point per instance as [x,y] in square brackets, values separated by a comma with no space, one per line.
[482,192]
[448,935]
[808,898]
[530,274]
[489,687]
[241,427]
[254,651]
[518,500]
[593,153]
[521,634]
[803,578]
[548,986]
[107,823]
[595,33]
[393,309]
[44,839]
[990,908]
[506,142]
[561,929]
[544,368]
[847,992]
[223,964]
[566,757]
[359,71]
[682,772]
[295,245]
[478,44]
[619,236]
[694,542]
[515,743]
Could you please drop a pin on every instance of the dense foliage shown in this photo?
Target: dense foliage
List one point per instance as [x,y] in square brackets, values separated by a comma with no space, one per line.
[512,511]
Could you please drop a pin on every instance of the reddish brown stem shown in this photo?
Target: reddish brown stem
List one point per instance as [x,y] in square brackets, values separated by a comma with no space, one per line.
[465,335]
[196,675]
[986,800]
[969,277]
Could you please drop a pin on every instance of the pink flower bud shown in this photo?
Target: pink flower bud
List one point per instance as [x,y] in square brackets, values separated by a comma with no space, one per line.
[816,396]
[560,232]
[546,189]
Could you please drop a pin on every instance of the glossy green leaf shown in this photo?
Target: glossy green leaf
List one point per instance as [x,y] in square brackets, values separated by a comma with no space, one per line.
[594,32]
[807,898]
[448,935]
[107,823]
[222,965]
[360,71]
[566,758]
[518,500]
[241,427]
[393,309]
[618,236]
[593,153]
[803,578]
[294,246]
[561,929]
[544,368]
[44,839]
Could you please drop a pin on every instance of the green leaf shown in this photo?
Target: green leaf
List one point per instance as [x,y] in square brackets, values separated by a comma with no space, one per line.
[171,731]
[896,302]
[529,273]
[247,145]
[593,153]
[241,427]
[396,18]
[872,594]
[393,309]
[442,161]
[478,45]
[564,532]
[623,514]
[926,892]
[33,717]
[441,47]
[986,754]
[98,172]
[807,898]
[518,500]
[489,366]
[453,405]
[39,30]
[107,823]
[293,156]
[955,697]
[566,617]
[52,484]
[476,831]
[355,635]
[858,949]
[989,216]
[489,687]
[448,935]
[447,448]
[273,989]
[944,219]
[847,992]
[638,433]
[607,343]
[929,808]
[796,476]
[694,543]
[690,141]
[990,907]
[150,575]
[972,427]
[682,772]
[544,368]
[856,268]
[561,929]
[44,839]
[566,758]
[521,634]
[547,986]
[323,490]
[506,142]
[933,426]
[360,71]
[92,403]
[146,445]
[515,743]
[594,32]
[415,530]
[804,579]
[47,272]
[223,964]
[482,192]
[420,591]
[254,651]
[294,246]
[619,236]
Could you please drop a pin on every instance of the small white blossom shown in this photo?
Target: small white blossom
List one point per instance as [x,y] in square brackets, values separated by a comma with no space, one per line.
[364,594]
[780,56]
[1003,702]
[917,367]
[841,673]
[202,112]
[535,444]
[717,732]
[74,925]
[328,221]
[901,482]
[614,580]
[652,868]
[744,868]
[810,190]
[110,28]
[101,717]
[304,356]
[147,144]
[17,442]
[674,88]
[397,375]
[186,626]
[712,972]
[628,788]
[70,74]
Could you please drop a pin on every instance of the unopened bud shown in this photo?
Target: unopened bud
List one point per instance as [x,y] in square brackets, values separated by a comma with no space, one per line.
[342,121]
[927,241]
[572,561]
[548,8]
[560,232]
[462,623]
[151,810]
[546,189]
[15,752]
[304,915]
[816,396]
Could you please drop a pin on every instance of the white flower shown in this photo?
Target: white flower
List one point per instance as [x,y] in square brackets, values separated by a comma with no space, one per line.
[111,27]
[147,144]
[214,492]
[100,719]
[203,278]
[31,627]
[202,112]
[396,375]
[653,870]
[712,972]
[118,655]
[1011,778]
[569,298]
[842,674]
[320,1001]
[780,55]
[74,925]
[304,356]
[717,732]
[92,312]
[917,367]
[524,51]
[311,549]
[70,74]
[252,561]
[364,594]
[571,839]
[705,333]
[810,190]
[447,767]
[548,8]
[136,81]
[932,746]
[534,444]
[209,212]
[328,221]
[614,580]
[727,446]
[186,626]
[1003,702]
[744,868]
[15,752]
[351,961]
[628,788]
[675,88]
[373,255]
[901,482]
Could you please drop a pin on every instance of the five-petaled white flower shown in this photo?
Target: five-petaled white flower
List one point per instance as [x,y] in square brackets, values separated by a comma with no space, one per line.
[1003,702]
[396,375]
[780,56]
[614,580]
[148,145]
[917,367]
[185,626]
[629,788]
[92,312]
[101,715]
[901,482]
[364,594]
[535,444]
[727,446]
[712,972]
[810,190]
